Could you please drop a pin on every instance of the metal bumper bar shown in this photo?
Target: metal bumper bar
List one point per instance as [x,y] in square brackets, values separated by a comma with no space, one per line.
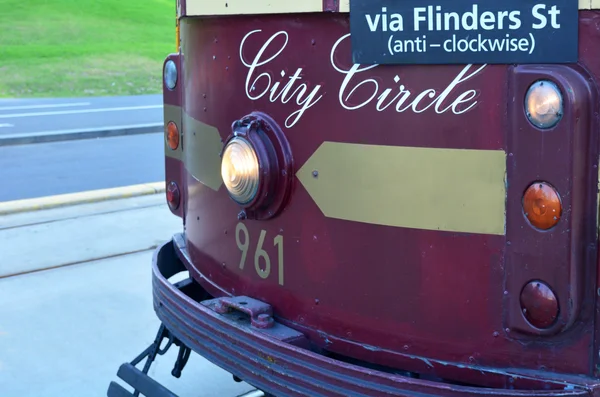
[240,335]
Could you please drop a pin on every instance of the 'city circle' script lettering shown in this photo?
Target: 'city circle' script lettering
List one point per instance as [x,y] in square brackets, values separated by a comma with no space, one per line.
[306,95]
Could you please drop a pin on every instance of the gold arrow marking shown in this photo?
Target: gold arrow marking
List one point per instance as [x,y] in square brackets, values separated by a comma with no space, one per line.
[202,146]
[455,190]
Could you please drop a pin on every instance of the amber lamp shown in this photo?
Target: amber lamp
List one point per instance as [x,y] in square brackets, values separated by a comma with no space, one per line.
[542,206]
[172,135]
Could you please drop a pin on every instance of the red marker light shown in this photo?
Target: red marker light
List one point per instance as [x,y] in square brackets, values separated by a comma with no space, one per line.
[173,196]
[539,304]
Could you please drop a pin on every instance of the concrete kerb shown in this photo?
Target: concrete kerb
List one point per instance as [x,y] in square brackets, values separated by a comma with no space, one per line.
[89,133]
[92,196]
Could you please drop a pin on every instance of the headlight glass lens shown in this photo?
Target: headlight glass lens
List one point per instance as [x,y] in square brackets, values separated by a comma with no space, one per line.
[240,170]
[544,104]
[170,73]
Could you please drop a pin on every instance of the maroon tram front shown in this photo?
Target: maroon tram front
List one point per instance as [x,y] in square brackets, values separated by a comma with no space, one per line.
[376,230]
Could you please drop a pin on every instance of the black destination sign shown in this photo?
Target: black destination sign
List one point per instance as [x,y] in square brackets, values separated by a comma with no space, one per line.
[463,31]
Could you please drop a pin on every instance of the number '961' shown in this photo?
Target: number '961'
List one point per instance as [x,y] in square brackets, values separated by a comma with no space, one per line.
[262,261]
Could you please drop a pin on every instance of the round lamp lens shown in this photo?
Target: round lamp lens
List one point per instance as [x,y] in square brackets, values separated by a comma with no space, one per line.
[240,170]
[172,135]
[170,74]
[173,195]
[539,304]
[542,205]
[544,104]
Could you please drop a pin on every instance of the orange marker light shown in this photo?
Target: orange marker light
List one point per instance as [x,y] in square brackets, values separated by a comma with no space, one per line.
[172,135]
[542,205]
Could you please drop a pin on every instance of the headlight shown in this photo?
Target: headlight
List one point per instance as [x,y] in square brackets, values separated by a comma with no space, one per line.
[257,167]
[240,170]
[170,74]
[544,104]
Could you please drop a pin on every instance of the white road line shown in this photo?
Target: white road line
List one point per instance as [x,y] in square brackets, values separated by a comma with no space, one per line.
[15,115]
[6,125]
[56,105]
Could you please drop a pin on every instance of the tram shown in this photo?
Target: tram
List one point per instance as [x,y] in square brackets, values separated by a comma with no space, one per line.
[382,198]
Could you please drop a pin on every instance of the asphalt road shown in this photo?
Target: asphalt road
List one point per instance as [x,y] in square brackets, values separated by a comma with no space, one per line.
[32,116]
[45,169]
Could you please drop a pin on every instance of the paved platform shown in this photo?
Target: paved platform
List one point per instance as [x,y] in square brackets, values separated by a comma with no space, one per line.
[47,239]
[65,331]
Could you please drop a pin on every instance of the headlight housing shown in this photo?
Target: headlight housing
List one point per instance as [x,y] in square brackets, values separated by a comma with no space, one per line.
[256,167]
